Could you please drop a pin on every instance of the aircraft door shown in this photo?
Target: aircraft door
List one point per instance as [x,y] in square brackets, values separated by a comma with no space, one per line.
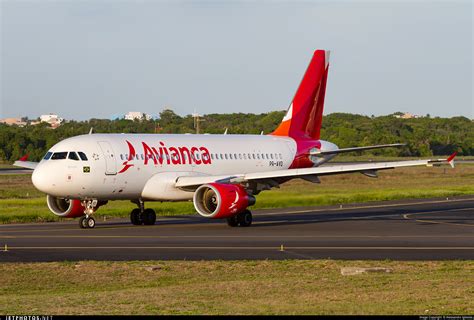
[108,153]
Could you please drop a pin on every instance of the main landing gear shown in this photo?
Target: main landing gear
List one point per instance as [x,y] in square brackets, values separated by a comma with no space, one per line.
[141,215]
[87,221]
[242,219]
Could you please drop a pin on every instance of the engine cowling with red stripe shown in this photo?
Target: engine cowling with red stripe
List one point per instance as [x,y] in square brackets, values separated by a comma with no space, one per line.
[65,208]
[217,200]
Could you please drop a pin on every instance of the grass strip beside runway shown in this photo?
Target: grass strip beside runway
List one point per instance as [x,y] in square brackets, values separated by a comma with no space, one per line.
[236,287]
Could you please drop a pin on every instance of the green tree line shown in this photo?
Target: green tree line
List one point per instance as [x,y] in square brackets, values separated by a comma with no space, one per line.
[424,136]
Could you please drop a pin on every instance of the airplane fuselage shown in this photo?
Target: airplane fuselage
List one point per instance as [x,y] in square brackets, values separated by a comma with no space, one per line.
[119,166]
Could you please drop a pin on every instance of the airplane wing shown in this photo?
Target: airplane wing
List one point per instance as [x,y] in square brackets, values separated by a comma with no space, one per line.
[316,153]
[26,164]
[370,169]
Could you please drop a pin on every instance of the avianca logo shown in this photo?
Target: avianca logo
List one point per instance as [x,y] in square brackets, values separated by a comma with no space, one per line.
[233,205]
[131,156]
[164,155]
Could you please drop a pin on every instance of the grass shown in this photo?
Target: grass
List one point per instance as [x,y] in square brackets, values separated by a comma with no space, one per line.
[21,202]
[236,287]
[4,165]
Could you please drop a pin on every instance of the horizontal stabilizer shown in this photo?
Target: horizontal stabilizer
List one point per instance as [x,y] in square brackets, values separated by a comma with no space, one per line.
[393,145]
[26,164]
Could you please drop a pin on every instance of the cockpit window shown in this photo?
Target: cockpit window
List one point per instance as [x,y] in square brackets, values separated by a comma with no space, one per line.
[73,156]
[83,156]
[47,155]
[59,156]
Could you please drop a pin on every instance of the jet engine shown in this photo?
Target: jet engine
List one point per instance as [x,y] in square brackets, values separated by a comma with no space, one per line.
[217,201]
[66,208]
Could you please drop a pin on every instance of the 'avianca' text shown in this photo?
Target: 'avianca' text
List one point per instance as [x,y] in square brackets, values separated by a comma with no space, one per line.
[171,155]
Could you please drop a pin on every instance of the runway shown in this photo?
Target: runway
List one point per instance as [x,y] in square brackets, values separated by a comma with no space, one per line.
[404,230]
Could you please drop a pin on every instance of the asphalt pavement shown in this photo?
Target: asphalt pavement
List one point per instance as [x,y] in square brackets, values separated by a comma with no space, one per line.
[432,229]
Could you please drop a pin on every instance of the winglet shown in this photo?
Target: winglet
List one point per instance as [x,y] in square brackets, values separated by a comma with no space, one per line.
[24,158]
[451,159]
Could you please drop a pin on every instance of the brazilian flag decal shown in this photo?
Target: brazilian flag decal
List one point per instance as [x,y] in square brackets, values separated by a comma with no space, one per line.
[86,169]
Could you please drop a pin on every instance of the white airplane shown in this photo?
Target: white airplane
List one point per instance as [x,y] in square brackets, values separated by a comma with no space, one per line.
[220,173]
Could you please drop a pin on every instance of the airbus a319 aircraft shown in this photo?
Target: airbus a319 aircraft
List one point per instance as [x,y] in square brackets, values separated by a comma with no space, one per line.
[221,174]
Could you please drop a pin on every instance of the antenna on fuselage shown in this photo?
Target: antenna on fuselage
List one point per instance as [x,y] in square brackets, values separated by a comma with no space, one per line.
[91,130]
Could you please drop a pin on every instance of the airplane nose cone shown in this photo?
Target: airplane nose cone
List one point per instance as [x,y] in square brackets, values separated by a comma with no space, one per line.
[40,180]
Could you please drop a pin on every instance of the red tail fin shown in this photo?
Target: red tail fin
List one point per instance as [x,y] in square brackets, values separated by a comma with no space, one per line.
[304,116]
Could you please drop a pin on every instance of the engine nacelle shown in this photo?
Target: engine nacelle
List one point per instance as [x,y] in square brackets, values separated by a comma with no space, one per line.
[217,201]
[64,207]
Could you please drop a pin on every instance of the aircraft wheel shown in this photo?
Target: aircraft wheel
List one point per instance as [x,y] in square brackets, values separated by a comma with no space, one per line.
[233,221]
[149,217]
[82,222]
[135,217]
[245,218]
[90,222]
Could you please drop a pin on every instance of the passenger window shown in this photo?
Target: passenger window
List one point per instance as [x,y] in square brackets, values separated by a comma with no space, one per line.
[225,154]
[73,156]
[280,156]
[230,155]
[240,156]
[82,155]
[271,155]
[253,155]
[47,156]
[258,156]
[245,156]
[59,156]
[221,156]
[235,156]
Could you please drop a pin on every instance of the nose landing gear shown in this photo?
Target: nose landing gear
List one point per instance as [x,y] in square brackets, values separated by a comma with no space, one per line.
[88,221]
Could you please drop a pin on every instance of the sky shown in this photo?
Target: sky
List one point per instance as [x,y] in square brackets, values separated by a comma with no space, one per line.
[88,59]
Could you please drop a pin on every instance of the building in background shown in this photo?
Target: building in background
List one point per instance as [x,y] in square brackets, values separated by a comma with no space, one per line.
[21,122]
[135,115]
[52,119]
[405,115]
